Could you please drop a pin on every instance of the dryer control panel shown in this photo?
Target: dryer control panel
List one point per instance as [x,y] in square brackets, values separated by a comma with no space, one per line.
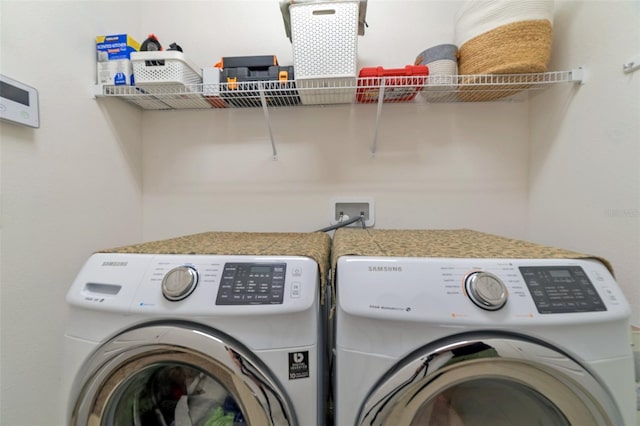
[561,289]
[479,291]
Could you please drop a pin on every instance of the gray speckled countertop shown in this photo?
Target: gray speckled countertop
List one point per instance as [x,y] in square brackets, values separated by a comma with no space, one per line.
[453,243]
[315,245]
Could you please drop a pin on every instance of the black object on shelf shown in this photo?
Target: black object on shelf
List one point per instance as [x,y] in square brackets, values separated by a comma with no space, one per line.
[242,86]
[151,44]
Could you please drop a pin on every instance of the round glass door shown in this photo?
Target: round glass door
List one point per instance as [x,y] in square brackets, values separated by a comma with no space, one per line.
[171,375]
[488,401]
[488,380]
[173,394]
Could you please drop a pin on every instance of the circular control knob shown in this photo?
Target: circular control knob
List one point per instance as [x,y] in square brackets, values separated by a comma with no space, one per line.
[486,290]
[179,283]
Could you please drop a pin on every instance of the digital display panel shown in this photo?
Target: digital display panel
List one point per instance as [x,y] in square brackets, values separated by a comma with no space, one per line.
[14,93]
[561,289]
[261,269]
[560,273]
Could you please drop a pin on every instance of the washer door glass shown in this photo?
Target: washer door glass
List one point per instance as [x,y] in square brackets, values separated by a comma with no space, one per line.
[496,402]
[177,375]
[488,380]
[173,394]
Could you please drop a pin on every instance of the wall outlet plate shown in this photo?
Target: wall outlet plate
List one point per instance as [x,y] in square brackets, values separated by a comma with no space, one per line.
[352,207]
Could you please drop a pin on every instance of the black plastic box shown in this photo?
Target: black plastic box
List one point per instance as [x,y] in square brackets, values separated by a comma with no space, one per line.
[263,61]
[241,86]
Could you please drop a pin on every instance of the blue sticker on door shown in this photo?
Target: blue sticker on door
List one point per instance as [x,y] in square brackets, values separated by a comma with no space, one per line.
[298,365]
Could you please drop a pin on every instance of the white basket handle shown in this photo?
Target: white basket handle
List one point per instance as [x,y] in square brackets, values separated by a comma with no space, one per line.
[324,12]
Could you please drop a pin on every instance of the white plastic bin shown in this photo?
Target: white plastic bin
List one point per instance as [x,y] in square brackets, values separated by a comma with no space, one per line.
[325,49]
[170,77]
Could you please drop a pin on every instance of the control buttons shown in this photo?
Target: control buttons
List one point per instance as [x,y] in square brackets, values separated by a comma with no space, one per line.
[486,290]
[179,283]
[562,289]
[610,294]
[252,284]
[296,290]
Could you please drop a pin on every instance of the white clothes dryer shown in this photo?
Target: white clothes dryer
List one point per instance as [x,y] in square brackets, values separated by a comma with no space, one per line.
[188,339]
[477,341]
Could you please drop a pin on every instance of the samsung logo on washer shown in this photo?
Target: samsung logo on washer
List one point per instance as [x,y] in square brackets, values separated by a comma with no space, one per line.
[114,263]
[385,268]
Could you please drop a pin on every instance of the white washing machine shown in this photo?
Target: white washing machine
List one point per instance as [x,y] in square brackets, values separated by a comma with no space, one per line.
[465,341]
[195,339]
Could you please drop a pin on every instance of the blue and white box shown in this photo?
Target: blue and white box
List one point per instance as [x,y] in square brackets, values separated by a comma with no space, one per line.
[113,59]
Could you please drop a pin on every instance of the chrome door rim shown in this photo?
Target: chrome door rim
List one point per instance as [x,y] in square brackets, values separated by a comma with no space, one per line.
[252,385]
[397,397]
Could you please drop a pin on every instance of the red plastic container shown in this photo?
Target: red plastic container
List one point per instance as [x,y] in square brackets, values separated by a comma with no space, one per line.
[400,84]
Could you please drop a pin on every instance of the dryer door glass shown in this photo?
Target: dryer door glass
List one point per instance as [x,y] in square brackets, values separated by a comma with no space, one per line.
[498,380]
[489,401]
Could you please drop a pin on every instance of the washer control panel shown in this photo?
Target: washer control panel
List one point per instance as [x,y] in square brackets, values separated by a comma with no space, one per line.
[179,282]
[251,284]
[193,285]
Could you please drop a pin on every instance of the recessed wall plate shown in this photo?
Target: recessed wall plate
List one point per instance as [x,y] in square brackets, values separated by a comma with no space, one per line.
[350,207]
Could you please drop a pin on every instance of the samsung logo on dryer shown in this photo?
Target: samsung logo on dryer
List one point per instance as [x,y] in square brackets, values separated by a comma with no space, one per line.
[385,268]
[114,263]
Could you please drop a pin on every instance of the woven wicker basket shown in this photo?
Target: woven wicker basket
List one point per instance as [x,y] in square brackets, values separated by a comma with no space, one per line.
[515,48]
[519,47]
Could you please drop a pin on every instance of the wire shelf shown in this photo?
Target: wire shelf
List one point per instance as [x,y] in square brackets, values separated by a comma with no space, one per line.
[428,89]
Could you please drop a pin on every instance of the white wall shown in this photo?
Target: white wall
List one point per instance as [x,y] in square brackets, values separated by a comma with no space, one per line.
[101,173]
[214,171]
[437,166]
[585,143]
[69,188]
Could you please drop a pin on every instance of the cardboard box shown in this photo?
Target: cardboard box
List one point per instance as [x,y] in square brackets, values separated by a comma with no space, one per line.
[117,72]
[112,56]
[113,47]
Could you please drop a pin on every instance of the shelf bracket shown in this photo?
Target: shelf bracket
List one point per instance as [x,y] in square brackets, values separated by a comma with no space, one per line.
[98,91]
[577,76]
[632,65]
[263,100]
[374,146]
